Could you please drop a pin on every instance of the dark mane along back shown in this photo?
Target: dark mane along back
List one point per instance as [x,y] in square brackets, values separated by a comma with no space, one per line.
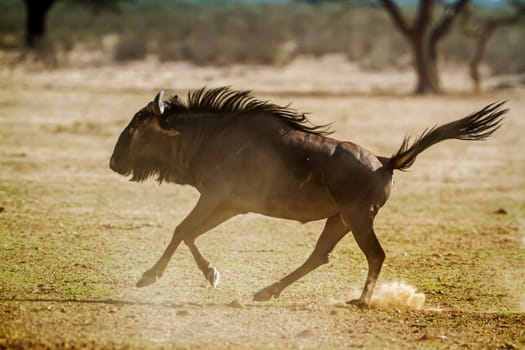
[226,100]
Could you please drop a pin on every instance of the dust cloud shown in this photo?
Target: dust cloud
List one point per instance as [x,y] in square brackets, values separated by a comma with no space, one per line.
[391,295]
[397,295]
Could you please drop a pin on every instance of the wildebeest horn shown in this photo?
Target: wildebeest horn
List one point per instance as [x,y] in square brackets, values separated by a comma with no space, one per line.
[158,105]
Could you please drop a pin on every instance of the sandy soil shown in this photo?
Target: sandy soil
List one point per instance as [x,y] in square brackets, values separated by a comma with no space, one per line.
[74,236]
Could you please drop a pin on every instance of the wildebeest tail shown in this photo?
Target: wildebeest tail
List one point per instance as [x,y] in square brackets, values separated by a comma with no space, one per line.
[476,126]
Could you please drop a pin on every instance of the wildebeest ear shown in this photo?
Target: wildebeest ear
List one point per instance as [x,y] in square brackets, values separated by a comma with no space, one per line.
[158,105]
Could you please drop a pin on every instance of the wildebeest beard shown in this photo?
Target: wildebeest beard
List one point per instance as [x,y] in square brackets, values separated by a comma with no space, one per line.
[145,168]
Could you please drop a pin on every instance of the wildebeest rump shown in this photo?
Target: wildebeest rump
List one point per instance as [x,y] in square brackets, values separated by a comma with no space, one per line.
[246,155]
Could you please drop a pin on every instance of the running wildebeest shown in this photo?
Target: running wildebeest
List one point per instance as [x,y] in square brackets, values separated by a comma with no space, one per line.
[247,155]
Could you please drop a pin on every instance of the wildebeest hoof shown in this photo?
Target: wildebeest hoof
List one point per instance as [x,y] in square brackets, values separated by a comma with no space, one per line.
[267,293]
[213,276]
[146,280]
[358,302]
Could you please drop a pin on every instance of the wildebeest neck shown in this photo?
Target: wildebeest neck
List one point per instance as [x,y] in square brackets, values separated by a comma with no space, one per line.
[177,154]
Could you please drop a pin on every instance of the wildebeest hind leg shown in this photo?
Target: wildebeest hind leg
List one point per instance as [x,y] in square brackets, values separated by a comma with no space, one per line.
[334,230]
[363,231]
[206,215]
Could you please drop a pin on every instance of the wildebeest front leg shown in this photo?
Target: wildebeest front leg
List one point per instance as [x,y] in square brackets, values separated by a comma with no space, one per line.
[206,215]
[210,273]
[335,229]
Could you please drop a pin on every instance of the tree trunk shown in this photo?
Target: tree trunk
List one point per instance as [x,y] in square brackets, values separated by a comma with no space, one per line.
[476,61]
[424,37]
[36,21]
[425,64]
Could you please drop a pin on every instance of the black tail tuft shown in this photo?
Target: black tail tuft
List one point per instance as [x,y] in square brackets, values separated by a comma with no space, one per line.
[477,126]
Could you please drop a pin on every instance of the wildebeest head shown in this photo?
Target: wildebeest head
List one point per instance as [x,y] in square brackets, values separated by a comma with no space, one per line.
[143,145]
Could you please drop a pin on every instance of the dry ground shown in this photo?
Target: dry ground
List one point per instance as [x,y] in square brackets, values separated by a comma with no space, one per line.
[74,236]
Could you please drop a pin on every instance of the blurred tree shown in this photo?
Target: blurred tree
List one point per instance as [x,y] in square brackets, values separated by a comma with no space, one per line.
[36,13]
[37,10]
[424,36]
[483,31]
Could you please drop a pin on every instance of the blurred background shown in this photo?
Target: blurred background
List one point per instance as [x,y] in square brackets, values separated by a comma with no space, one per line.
[477,39]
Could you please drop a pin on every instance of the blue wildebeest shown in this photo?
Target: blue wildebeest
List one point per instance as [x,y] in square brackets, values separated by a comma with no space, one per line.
[247,155]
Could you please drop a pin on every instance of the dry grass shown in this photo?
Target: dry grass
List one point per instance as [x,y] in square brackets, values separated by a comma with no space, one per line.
[74,236]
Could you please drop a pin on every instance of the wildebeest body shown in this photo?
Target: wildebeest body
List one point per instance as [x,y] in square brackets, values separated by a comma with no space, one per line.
[279,173]
[245,155]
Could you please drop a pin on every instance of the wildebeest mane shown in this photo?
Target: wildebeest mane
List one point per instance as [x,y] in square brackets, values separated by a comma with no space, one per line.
[224,100]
